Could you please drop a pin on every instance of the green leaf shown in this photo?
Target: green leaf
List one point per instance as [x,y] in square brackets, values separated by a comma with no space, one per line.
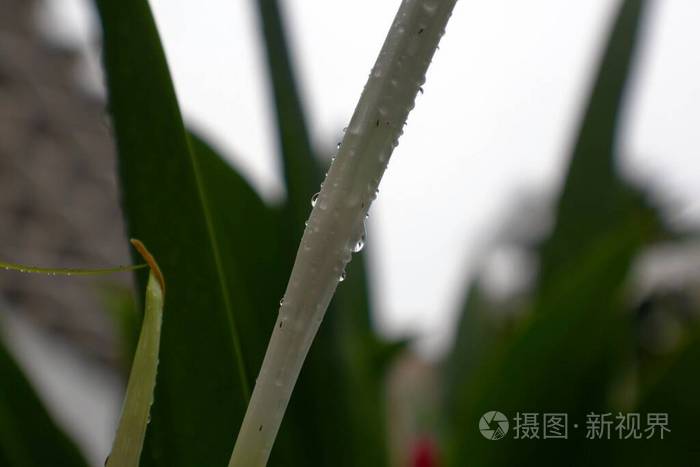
[593,195]
[481,330]
[301,170]
[28,435]
[674,394]
[135,416]
[668,381]
[195,215]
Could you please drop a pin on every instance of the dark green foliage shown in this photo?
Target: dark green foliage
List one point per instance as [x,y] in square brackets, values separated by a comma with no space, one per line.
[302,172]
[594,196]
[169,201]
[28,435]
[226,257]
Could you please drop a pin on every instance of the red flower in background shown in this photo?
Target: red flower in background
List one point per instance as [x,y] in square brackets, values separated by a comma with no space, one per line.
[424,453]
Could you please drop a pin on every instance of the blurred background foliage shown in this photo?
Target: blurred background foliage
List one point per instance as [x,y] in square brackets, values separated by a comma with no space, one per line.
[581,336]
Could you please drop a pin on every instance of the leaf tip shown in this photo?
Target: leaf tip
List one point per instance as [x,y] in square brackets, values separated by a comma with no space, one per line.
[150,260]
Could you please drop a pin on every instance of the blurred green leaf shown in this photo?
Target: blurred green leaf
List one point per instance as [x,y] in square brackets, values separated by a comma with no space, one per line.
[594,196]
[566,353]
[481,330]
[302,172]
[671,391]
[118,301]
[28,435]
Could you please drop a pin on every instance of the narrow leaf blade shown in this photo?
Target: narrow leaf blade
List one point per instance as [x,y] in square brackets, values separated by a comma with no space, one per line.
[131,431]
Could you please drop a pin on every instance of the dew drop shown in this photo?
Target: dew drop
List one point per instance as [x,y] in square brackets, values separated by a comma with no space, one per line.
[359,245]
[361,238]
[281,301]
[338,145]
[342,276]
[314,198]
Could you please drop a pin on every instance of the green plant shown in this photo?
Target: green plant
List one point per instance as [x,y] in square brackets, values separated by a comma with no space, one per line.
[226,256]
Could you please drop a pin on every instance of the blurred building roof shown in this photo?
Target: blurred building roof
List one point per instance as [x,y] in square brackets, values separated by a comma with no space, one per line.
[58,193]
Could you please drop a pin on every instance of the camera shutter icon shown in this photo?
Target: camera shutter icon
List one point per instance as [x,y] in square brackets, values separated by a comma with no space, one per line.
[493,425]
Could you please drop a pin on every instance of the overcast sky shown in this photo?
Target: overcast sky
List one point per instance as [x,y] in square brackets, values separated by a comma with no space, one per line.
[501,101]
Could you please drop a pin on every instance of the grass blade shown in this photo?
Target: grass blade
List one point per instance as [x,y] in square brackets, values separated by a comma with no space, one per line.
[301,170]
[131,431]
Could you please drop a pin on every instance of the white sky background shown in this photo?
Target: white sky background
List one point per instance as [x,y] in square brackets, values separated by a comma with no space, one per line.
[501,102]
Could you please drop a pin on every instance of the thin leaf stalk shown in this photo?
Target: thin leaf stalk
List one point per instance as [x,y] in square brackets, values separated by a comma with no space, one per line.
[336,223]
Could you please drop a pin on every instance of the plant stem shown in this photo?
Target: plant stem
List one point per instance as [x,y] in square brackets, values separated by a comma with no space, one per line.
[336,223]
[68,271]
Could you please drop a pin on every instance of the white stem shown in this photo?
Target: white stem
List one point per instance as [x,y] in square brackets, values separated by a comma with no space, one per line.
[336,223]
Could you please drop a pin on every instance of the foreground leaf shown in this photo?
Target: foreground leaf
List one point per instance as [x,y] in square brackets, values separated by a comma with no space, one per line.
[131,431]
[171,199]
